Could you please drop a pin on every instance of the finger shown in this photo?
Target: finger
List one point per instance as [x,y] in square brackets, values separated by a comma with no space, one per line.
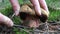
[16,6]
[5,20]
[44,5]
[36,6]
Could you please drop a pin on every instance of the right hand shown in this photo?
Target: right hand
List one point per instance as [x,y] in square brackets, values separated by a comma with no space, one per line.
[36,3]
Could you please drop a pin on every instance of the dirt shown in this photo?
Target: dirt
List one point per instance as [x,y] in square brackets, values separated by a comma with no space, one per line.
[53,27]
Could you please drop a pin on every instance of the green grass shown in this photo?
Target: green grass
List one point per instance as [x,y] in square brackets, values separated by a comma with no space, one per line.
[6,9]
[54,14]
[53,8]
[53,3]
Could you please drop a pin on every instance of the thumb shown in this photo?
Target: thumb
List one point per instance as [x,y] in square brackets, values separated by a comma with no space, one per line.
[5,20]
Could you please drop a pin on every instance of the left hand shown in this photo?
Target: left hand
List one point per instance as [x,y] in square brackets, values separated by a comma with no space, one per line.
[5,20]
[16,6]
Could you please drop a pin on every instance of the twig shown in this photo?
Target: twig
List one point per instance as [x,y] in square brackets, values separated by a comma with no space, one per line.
[47,28]
[13,15]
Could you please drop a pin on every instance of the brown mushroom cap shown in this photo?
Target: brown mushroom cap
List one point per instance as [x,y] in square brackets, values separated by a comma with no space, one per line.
[27,10]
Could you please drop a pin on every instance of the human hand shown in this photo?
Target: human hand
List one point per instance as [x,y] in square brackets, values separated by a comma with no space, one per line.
[16,6]
[5,20]
[38,4]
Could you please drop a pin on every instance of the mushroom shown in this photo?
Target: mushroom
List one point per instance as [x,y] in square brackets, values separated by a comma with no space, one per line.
[30,18]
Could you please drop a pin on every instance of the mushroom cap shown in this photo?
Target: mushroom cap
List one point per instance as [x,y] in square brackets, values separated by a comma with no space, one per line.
[28,9]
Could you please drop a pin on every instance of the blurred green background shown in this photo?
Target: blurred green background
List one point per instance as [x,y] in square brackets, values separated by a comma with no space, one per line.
[53,5]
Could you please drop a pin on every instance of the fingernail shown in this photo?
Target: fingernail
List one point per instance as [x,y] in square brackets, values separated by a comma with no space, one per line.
[16,13]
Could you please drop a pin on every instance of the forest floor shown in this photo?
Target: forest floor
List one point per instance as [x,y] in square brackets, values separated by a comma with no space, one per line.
[6,9]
